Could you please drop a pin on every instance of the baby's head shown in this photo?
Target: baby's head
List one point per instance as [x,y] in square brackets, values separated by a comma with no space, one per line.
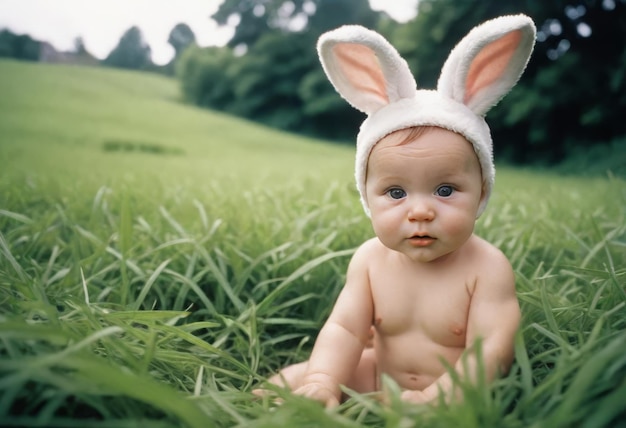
[426,110]
[370,74]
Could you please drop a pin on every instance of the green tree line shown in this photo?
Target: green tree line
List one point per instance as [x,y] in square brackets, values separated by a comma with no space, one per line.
[19,46]
[131,52]
[571,99]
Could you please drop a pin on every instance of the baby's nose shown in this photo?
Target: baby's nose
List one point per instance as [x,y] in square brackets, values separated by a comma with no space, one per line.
[421,210]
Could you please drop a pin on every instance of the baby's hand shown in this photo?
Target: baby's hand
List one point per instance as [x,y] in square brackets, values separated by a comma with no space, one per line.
[319,392]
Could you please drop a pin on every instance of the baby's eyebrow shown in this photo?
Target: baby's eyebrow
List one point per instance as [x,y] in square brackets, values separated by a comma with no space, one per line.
[390,176]
[449,175]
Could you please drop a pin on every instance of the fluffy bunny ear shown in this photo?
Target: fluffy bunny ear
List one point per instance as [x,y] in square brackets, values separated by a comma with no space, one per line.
[487,63]
[364,68]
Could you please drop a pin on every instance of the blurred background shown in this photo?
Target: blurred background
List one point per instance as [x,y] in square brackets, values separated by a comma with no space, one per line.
[256,59]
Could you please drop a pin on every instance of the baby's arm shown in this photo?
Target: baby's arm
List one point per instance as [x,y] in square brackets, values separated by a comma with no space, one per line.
[341,340]
[494,317]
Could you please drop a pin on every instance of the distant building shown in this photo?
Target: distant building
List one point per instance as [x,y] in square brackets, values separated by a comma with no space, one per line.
[48,53]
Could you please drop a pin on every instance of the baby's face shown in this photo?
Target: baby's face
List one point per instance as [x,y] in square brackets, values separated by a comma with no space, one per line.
[424,194]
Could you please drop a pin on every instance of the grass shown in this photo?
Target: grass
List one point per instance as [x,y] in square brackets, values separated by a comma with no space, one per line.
[157,261]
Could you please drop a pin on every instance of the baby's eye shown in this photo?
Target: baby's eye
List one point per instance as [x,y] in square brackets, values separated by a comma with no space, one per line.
[396,193]
[444,191]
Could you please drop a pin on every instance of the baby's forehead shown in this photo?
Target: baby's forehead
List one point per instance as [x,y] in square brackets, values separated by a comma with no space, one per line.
[435,143]
[431,139]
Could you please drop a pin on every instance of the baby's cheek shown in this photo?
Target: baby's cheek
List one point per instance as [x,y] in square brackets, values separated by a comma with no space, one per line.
[385,228]
[383,232]
[461,224]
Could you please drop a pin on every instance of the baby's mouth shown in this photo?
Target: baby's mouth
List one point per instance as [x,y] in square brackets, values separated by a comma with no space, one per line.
[421,240]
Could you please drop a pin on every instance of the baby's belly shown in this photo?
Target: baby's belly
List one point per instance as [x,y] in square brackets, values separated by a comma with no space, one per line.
[413,360]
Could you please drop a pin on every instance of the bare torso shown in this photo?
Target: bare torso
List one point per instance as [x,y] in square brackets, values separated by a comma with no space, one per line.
[420,313]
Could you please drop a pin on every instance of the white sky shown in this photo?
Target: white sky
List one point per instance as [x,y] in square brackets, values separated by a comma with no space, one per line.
[101,23]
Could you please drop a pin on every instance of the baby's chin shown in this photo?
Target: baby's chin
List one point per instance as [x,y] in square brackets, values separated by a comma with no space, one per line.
[424,253]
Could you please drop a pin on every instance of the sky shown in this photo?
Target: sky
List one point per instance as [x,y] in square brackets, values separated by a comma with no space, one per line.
[101,23]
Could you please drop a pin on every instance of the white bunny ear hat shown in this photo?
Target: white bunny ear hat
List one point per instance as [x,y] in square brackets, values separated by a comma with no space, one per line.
[372,76]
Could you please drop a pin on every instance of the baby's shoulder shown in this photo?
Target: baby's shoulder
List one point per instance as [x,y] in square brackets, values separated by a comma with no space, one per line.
[370,252]
[371,248]
[490,263]
[483,252]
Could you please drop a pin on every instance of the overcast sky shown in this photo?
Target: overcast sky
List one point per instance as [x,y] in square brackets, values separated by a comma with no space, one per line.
[101,23]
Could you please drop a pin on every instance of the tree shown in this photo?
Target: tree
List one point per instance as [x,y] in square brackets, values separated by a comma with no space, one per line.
[6,44]
[279,80]
[268,77]
[331,14]
[18,46]
[205,76]
[79,46]
[257,17]
[180,38]
[131,52]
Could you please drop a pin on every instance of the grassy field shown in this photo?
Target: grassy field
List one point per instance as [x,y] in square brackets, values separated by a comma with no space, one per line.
[157,261]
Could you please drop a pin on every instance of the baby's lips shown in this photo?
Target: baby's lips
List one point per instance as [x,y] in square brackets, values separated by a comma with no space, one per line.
[421,240]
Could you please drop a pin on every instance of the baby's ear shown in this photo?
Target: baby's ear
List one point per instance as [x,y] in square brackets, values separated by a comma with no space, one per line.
[364,68]
[487,63]
[484,196]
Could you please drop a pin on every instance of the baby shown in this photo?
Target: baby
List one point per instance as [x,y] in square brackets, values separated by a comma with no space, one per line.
[428,288]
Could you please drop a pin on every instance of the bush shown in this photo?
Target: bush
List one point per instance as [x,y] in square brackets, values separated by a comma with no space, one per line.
[594,160]
[204,76]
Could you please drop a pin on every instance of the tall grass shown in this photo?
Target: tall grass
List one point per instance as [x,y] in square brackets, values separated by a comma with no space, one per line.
[143,287]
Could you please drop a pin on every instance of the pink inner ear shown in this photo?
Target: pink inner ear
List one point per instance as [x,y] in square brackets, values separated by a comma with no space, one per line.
[491,63]
[362,71]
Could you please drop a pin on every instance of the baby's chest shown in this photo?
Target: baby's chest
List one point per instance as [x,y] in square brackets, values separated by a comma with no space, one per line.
[415,308]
